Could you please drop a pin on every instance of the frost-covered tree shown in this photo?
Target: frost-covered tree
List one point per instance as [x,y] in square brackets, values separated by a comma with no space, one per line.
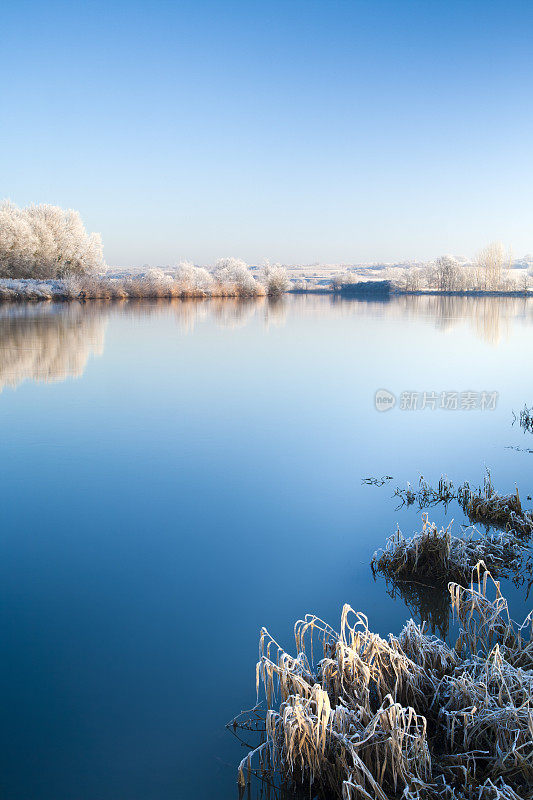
[489,267]
[445,274]
[43,241]
[341,279]
[194,280]
[156,283]
[410,279]
[235,274]
[275,279]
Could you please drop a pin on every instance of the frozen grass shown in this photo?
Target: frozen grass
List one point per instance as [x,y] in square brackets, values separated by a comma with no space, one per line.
[405,716]
[484,504]
[230,278]
[503,511]
[437,556]
[425,495]
[525,419]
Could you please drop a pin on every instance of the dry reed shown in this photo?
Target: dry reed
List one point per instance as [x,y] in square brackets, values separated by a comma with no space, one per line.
[405,716]
[491,508]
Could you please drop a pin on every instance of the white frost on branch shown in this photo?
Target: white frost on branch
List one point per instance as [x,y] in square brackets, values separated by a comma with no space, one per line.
[43,241]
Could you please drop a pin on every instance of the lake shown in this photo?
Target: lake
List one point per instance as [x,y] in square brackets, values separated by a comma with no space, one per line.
[176,475]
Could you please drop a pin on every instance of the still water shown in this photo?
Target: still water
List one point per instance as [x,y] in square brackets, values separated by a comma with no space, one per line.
[176,475]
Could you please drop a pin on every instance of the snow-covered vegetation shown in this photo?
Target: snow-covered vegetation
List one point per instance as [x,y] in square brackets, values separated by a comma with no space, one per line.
[46,253]
[230,278]
[438,557]
[275,279]
[43,241]
[491,271]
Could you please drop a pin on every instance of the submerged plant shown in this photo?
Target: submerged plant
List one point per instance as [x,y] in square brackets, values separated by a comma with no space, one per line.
[405,716]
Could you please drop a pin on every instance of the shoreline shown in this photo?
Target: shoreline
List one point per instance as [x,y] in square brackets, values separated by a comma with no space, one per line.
[30,291]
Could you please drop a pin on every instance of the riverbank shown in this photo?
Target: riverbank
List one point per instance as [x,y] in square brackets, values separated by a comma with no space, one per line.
[146,287]
[162,286]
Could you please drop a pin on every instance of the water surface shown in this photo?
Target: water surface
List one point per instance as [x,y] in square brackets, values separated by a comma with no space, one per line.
[176,475]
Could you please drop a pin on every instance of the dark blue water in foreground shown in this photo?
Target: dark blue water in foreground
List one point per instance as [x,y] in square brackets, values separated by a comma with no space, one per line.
[175,476]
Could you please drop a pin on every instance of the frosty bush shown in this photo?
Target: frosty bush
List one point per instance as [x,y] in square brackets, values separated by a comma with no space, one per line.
[343,279]
[194,280]
[71,279]
[275,279]
[233,276]
[43,241]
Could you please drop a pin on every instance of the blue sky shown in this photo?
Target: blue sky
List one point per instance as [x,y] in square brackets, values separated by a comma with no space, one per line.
[296,131]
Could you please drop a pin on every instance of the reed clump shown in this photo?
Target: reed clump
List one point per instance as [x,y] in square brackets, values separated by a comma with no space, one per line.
[491,508]
[437,556]
[402,717]
[484,504]
[426,495]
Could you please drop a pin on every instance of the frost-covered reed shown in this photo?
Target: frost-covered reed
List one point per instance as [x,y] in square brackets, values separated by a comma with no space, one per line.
[502,511]
[484,504]
[437,556]
[405,716]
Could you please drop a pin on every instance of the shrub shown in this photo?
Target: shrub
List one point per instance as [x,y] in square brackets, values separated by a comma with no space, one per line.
[232,275]
[275,279]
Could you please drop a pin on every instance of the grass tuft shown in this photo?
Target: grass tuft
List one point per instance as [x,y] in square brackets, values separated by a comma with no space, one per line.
[437,556]
[405,716]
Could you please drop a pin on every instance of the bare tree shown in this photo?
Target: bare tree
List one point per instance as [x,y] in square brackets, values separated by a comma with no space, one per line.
[447,274]
[489,267]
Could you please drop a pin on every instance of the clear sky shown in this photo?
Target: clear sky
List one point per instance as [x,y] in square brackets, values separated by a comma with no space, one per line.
[296,131]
